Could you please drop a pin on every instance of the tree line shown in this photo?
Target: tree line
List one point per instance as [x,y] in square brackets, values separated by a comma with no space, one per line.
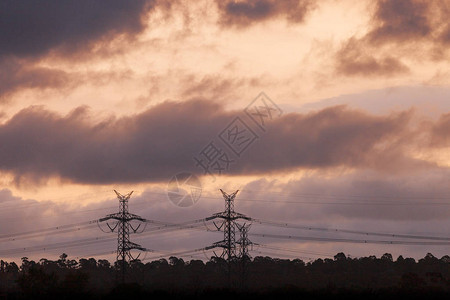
[261,274]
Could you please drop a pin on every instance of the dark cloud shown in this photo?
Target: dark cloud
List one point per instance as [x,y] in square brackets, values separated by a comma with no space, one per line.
[18,75]
[441,132]
[353,59]
[33,28]
[400,29]
[244,13]
[400,20]
[332,137]
[148,146]
[415,22]
[30,30]
[158,143]
[15,75]
[445,36]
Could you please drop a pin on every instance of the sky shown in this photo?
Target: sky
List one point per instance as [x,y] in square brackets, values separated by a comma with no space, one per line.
[330,114]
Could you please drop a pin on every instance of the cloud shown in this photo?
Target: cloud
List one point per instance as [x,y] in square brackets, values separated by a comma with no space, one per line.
[445,36]
[15,75]
[212,85]
[217,87]
[441,132]
[245,13]
[398,31]
[332,137]
[162,141]
[415,203]
[357,200]
[148,146]
[355,59]
[34,28]
[368,195]
[401,20]
[21,215]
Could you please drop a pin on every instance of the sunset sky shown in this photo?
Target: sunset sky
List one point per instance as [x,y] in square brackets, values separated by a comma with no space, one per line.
[104,95]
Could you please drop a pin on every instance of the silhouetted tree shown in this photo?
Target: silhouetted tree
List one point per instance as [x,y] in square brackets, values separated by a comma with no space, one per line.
[87,275]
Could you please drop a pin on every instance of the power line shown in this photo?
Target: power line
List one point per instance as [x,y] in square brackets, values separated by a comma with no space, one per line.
[50,230]
[184,252]
[77,229]
[229,217]
[67,244]
[273,254]
[96,254]
[349,203]
[366,233]
[316,239]
[335,196]
[309,196]
[295,250]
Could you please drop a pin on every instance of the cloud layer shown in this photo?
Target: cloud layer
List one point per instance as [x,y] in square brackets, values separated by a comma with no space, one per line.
[158,143]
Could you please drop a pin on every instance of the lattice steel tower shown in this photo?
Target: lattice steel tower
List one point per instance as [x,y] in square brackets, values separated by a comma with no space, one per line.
[244,256]
[123,226]
[229,217]
[244,241]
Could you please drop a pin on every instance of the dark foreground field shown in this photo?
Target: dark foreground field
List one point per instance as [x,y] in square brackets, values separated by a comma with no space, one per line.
[133,291]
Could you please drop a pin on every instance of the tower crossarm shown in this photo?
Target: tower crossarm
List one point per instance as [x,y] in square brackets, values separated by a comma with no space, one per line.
[214,216]
[122,217]
[233,216]
[241,216]
[219,244]
[215,245]
[134,246]
[136,217]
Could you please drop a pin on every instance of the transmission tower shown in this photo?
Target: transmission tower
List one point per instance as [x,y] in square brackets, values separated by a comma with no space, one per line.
[229,217]
[244,241]
[123,227]
[244,256]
